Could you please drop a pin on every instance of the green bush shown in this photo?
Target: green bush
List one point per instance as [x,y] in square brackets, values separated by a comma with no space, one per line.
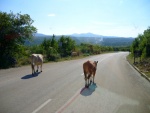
[53,57]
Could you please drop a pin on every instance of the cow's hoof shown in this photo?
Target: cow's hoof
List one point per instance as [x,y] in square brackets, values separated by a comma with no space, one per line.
[87,86]
[90,82]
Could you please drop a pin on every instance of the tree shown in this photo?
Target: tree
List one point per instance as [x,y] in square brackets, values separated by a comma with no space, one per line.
[46,44]
[14,30]
[54,43]
[66,46]
[141,45]
[50,47]
[97,49]
[135,45]
[147,41]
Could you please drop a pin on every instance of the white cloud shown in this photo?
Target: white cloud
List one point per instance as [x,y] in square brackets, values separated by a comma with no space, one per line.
[51,15]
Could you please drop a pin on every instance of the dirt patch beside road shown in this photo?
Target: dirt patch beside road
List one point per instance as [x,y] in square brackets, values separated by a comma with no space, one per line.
[143,66]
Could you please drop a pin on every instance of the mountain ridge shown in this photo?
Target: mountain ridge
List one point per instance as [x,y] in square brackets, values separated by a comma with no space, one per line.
[89,34]
[86,38]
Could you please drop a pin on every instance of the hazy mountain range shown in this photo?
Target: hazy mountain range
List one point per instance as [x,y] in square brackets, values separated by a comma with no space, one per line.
[86,38]
[82,35]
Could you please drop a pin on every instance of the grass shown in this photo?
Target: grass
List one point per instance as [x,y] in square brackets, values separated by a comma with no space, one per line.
[143,65]
[72,58]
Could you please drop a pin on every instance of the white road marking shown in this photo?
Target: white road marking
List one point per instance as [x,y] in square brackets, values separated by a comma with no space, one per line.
[40,107]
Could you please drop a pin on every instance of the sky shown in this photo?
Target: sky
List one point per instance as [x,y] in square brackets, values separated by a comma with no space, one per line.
[125,18]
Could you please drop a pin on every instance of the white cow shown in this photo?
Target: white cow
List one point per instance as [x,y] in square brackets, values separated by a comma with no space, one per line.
[36,59]
[74,54]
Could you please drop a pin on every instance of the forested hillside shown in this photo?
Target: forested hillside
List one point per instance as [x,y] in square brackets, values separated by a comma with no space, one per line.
[117,42]
[100,40]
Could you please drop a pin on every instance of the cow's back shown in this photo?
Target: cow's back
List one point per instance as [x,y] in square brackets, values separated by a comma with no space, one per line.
[88,67]
[37,59]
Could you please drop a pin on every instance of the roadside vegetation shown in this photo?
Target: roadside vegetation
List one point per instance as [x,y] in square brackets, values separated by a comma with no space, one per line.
[15,29]
[140,52]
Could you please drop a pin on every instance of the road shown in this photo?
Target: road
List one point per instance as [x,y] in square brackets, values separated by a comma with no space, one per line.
[60,88]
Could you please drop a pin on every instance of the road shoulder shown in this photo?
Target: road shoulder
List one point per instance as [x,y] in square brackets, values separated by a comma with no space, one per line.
[142,74]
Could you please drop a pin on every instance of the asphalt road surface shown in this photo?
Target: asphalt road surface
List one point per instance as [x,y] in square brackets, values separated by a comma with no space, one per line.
[60,88]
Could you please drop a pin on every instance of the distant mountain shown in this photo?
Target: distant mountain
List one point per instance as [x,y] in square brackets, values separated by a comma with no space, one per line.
[94,35]
[85,35]
[39,35]
[117,42]
[86,38]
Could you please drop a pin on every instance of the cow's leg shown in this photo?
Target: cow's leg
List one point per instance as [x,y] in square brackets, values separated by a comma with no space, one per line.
[85,82]
[93,80]
[33,69]
[41,67]
[85,79]
[89,76]
[37,68]
[90,79]
[88,83]
[93,77]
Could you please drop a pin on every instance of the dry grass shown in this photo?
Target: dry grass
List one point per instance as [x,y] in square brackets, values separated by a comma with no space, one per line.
[143,65]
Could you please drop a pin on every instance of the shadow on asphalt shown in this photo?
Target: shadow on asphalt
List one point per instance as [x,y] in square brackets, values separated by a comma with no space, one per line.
[88,91]
[30,76]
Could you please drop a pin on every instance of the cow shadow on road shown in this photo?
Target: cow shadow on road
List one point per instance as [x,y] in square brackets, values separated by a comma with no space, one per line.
[88,91]
[29,76]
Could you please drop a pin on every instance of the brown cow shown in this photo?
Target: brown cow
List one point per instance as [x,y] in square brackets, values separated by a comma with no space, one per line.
[36,59]
[89,69]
